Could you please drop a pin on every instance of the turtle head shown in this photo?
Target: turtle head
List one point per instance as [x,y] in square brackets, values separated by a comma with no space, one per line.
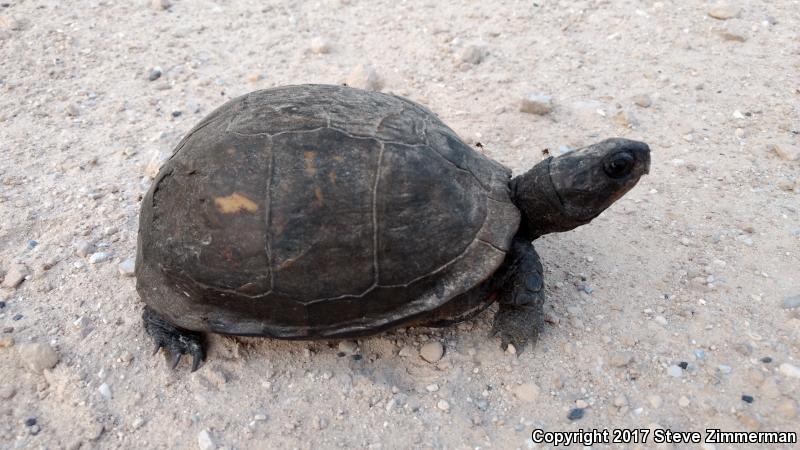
[570,190]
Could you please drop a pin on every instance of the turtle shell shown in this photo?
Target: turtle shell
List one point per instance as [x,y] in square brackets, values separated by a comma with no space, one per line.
[319,211]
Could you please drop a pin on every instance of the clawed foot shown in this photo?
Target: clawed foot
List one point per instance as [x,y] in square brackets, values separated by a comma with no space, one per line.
[175,341]
[517,325]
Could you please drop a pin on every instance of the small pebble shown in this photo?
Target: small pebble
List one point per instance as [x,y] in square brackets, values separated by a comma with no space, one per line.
[675,371]
[432,387]
[155,73]
[723,11]
[38,356]
[160,5]
[127,267]
[766,359]
[791,302]
[576,414]
[84,248]
[789,370]
[787,408]
[785,151]
[320,45]
[348,347]
[31,421]
[582,404]
[655,401]
[365,77]
[724,368]
[406,352]
[137,423]
[683,402]
[683,365]
[99,257]
[472,54]
[105,391]
[176,113]
[205,442]
[747,398]
[621,359]
[527,392]
[15,276]
[443,405]
[700,353]
[538,104]
[432,351]
[642,100]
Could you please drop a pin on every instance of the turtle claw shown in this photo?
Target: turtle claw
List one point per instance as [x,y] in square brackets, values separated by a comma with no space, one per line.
[175,341]
[176,358]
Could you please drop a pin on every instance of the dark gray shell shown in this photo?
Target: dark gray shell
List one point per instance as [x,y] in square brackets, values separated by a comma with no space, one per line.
[319,211]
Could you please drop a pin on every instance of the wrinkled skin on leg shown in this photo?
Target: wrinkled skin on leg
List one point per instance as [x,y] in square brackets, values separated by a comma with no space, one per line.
[175,341]
[521,297]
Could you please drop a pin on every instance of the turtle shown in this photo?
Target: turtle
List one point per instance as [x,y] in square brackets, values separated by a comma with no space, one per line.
[329,212]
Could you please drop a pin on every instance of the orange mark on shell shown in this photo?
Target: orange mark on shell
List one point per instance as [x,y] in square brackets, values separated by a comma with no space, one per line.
[235,203]
[317,196]
[311,168]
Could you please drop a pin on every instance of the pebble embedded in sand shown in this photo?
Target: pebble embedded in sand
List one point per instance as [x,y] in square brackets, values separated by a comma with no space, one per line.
[15,276]
[527,392]
[675,371]
[38,356]
[105,391]
[789,370]
[348,347]
[444,405]
[432,351]
[538,104]
[366,77]
[127,267]
[99,257]
[320,45]
[83,248]
[472,54]
[154,74]
[723,11]
[620,359]
[160,5]
[642,100]
[205,441]
[791,302]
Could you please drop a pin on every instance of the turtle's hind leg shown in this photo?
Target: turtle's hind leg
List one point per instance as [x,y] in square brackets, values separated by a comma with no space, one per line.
[175,341]
[520,316]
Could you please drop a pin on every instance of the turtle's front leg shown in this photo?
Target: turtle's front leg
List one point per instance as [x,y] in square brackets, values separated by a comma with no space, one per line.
[176,341]
[521,299]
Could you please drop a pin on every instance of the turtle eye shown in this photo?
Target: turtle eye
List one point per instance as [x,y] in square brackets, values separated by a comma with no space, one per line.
[619,165]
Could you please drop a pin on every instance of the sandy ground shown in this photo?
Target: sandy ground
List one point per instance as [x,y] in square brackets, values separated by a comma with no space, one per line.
[662,313]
